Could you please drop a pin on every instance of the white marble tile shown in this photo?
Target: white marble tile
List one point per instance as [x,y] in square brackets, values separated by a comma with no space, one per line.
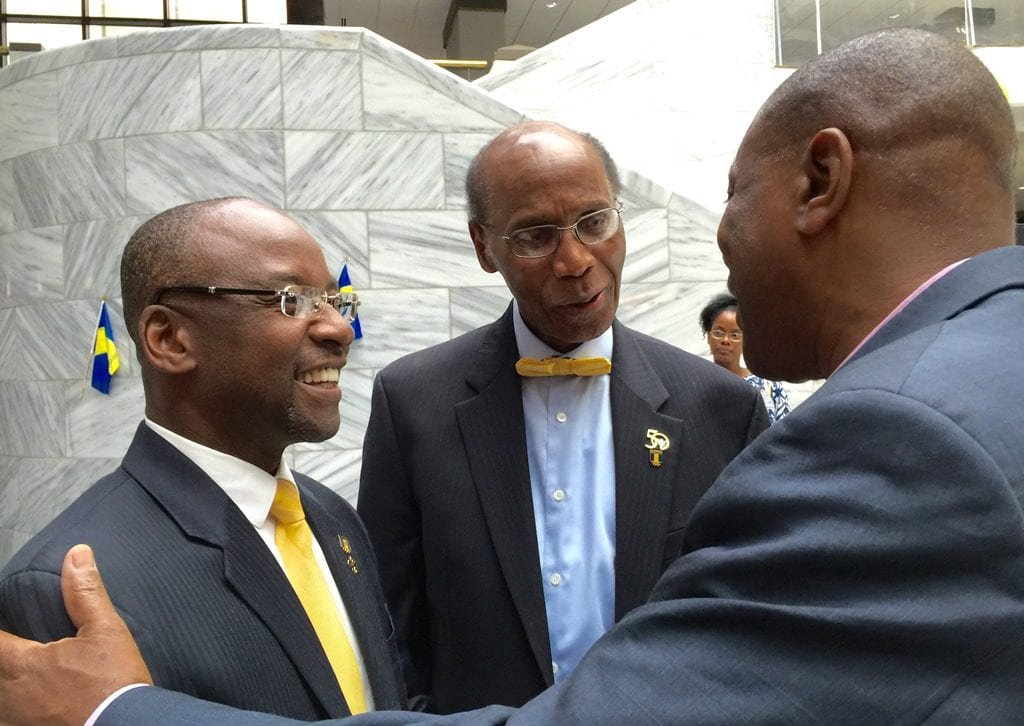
[413,67]
[693,245]
[639,191]
[69,183]
[337,469]
[140,95]
[322,90]
[12,359]
[241,89]
[199,37]
[32,269]
[647,247]
[342,236]
[92,256]
[395,101]
[396,322]
[164,170]
[6,196]
[324,38]
[459,150]
[70,55]
[472,307]
[57,339]
[31,418]
[40,489]
[668,311]
[374,170]
[102,425]
[28,121]
[423,249]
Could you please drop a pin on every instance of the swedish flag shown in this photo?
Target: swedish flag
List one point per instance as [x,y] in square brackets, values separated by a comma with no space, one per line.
[104,358]
[345,285]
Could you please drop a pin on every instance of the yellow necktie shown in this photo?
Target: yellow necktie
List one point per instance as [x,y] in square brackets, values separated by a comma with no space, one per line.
[295,543]
[533,368]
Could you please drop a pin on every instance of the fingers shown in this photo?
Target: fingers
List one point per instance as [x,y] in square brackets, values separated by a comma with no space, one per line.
[85,597]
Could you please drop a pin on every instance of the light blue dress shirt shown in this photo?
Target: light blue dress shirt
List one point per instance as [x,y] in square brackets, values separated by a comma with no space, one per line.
[572,477]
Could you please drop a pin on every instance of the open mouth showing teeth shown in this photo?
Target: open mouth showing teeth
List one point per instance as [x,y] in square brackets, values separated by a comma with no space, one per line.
[323,376]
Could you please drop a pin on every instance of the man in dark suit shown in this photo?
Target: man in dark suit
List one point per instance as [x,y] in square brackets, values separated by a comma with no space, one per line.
[517,517]
[183,525]
[863,560]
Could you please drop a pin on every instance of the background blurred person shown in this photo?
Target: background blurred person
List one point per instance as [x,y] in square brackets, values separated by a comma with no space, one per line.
[725,339]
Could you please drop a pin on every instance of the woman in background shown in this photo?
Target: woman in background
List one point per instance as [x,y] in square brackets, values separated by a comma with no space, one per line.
[725,339]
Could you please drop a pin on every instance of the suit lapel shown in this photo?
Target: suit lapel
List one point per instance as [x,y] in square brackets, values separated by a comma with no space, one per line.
[643,492]
[205,512]
[494,436]
[349,559]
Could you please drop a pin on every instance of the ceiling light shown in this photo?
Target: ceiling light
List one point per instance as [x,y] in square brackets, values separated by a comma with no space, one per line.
[552,4]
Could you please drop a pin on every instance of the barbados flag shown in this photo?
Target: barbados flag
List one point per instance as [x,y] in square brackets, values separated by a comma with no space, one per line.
[104,358]
[345,285]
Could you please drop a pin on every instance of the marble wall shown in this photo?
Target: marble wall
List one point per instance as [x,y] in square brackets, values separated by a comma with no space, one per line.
[362,142]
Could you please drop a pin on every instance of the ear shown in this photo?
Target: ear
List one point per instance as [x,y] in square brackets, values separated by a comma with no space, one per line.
[165,341]
[827,166]
[483,251]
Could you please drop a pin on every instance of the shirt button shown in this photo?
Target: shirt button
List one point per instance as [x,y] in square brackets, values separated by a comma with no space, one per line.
[555,579]
[558,495]
[560,417]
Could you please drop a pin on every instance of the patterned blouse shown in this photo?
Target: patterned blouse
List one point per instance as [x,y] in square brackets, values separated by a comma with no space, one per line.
[776,400]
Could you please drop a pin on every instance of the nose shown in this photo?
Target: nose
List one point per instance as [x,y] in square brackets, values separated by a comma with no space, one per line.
[572,258]
[332,326]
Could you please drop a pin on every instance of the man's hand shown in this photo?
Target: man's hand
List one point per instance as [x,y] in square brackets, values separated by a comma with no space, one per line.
[64,681]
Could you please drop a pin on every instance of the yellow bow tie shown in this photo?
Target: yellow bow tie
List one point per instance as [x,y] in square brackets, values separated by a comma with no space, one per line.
[533,368]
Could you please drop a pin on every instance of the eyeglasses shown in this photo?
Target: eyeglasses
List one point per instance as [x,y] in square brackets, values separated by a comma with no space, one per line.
[540,241]
[297,301]
[735,336]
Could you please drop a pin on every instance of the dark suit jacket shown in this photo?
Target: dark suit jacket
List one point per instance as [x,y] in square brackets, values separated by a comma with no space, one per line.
[445,496]
[212,611]
[862,562]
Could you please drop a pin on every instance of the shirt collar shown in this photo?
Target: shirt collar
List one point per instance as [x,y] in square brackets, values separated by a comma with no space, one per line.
[530,346]
[899,308]
[249,487]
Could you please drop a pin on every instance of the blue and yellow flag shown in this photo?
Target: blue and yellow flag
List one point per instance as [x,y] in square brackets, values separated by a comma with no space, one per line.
[345,285]
[104,358]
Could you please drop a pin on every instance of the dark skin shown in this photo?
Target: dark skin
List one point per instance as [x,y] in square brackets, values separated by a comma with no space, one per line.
[226,371]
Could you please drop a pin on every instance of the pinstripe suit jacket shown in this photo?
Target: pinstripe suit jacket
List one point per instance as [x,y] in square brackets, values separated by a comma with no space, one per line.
[212,611]
[445,496]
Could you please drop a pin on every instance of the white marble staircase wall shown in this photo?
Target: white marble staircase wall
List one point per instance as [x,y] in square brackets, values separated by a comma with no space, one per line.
[361,141]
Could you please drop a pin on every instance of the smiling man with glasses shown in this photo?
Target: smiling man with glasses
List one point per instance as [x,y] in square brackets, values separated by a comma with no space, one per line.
[527,483]
[198,543]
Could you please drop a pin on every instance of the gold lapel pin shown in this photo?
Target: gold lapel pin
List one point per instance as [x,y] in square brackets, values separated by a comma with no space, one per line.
[347,549]
[657,444]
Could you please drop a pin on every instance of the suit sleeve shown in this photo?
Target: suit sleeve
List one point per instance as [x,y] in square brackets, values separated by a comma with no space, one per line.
[159,707]
[388,508]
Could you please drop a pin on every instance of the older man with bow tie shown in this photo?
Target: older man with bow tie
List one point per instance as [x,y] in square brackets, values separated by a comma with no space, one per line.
[526,484]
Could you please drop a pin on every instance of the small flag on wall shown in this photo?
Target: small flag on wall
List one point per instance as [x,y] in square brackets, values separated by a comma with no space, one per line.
[345,285]
[104,357]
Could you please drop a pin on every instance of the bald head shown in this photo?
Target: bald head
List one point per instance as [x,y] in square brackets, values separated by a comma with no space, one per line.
[868,170]
[478,192]
[160,254]
[905,95]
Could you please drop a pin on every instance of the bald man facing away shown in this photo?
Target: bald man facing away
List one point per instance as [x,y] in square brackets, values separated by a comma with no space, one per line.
[863,560]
